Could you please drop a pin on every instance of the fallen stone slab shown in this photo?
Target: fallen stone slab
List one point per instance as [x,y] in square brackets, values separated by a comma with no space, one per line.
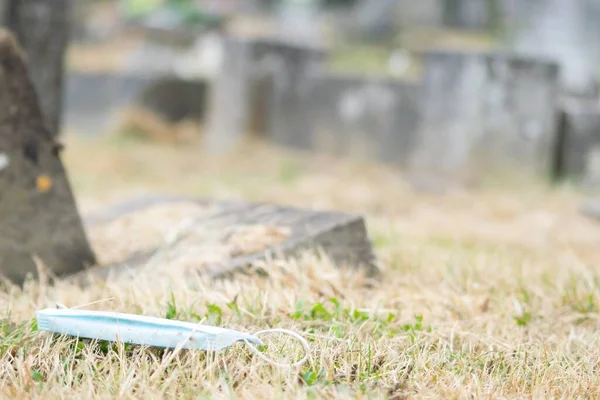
[38,213]
[216,239]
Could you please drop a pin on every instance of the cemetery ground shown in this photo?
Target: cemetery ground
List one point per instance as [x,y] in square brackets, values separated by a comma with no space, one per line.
[489,292]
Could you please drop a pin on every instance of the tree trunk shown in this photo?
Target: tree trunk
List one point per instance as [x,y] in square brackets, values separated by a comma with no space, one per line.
[42,27]
[38,214]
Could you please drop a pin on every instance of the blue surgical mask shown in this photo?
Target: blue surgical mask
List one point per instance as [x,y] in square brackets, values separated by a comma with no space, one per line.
[151,331]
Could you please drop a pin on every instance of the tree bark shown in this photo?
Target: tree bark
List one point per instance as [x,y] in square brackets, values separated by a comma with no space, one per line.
[38,214]
[42,27]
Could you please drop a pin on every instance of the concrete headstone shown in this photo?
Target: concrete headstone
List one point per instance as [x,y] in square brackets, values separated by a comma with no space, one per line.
[292,71]
[262,75]
[564,31]
[486,114]
[175,99]
[372,117]
[95,102]
[424,13]
[468,14]
[579,143]
[229,97]
[376,19]
[299,21]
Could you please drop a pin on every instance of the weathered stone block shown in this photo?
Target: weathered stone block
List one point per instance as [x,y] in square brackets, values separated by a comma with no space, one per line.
[175,99]
[486,114]
[228,230]
[262,76]
[424,13]
[293,72]
[561,30]
[578,147]
[38,215]
[468,14]
[229,97]
[376,19]
[368,117]
[95,102]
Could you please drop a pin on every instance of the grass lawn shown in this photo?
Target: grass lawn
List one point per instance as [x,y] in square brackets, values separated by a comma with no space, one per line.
[493,293]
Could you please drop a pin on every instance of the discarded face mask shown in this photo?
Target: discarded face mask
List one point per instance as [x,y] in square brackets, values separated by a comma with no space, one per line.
[153,332]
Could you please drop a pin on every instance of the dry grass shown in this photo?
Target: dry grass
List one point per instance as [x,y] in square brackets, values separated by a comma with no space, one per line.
[494,293]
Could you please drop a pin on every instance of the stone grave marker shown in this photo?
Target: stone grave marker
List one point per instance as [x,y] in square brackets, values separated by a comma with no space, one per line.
[376,19]
[364,116]
[94,101]
[218,238]
[38,213]
[468,14]
[485,115]
[293,78]
[229,97]
[174,99]
[563,31]
[97,102]
[299,21]
[578,147]
[284,71]
[424,13]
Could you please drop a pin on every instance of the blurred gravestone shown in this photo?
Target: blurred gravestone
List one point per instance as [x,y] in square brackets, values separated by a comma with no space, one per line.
[154,58]
[94,101]
[174,99]
[564,31]
[298,21]
[373,117]
[578,150]
[424,13]
[37,209]
[229,97]
[376,19]
[173,31]
[485,115]
[284,71]
[468,14]
[168,75]
[43,27]
[292,70]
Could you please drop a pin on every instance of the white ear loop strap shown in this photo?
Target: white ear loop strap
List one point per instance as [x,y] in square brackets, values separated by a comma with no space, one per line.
[293,334]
